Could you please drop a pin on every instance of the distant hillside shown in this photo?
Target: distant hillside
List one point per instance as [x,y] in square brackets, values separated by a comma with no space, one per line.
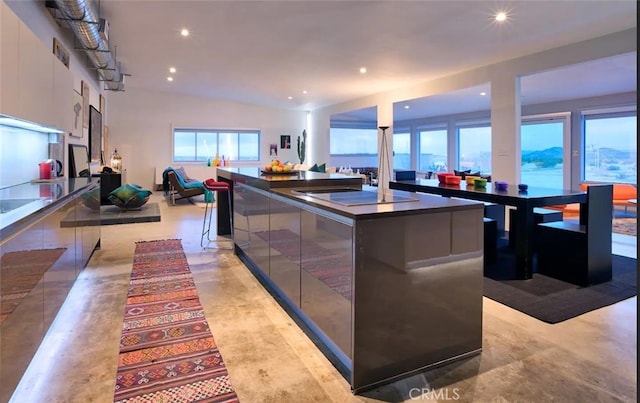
[541,155]
[556,152]
[613,155]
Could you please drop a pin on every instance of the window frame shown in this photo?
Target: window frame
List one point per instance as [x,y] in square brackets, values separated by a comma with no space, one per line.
[238,132]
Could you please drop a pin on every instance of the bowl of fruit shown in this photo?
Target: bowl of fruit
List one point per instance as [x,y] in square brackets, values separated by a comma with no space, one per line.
[277,167]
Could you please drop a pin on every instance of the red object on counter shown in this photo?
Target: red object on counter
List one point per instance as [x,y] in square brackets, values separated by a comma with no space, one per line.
[45,170]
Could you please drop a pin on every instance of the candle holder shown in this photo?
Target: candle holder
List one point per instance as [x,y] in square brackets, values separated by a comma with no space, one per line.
[116,161]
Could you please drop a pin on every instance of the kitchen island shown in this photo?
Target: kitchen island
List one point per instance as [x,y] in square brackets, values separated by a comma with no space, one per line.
[385,289]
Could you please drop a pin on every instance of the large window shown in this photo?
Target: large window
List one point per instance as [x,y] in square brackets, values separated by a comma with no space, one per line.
[352,147]
[610,142]
[474,150]
[344,141]
[433,150]
[402,149]
[542,153]
[196,145]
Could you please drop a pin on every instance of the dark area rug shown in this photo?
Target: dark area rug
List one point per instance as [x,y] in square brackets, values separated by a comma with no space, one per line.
[551,300]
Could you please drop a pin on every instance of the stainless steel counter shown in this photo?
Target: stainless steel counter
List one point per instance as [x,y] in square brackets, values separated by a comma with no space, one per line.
[20,205]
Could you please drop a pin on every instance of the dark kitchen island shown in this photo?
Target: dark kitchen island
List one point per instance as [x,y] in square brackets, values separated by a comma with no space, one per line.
[385,289]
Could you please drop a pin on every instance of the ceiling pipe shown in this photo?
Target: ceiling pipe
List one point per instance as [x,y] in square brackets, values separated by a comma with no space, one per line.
[84,21]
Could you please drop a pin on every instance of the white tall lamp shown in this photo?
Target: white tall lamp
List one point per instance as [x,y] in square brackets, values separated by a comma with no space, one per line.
[384,167]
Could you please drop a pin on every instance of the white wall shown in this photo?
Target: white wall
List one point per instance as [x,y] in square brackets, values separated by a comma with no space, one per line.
[141,124]
[20,152]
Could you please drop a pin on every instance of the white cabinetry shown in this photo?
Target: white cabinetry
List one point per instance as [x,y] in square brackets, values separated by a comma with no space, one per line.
[35,79]
[62,96]
[9,53]
[34,84]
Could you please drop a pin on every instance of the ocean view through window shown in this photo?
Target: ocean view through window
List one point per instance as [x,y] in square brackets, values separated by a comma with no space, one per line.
[610,148]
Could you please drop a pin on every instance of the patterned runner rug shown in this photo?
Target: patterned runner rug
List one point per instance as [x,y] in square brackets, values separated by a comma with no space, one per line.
[19,272]
[167,351]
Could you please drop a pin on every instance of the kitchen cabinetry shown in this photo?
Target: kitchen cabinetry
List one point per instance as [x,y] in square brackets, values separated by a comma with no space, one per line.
[9,53]
[40,264]
[35,85]
[35,78]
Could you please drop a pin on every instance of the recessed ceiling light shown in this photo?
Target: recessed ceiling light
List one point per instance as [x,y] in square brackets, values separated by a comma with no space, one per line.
[184,32]
[169,78]
[363,70]
[172,70]
[483,93]
[289,97]
[501,16]
[304,91]
[407,107]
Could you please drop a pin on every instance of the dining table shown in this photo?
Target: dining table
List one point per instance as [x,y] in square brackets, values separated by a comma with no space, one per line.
[525,201]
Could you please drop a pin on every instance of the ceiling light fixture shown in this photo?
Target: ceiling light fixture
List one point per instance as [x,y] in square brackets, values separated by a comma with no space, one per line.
[363,70]
[407,107]
[172,70]
[184,32]
[501,16]
[289,97]
[169,78]
[304,91]
[483,93]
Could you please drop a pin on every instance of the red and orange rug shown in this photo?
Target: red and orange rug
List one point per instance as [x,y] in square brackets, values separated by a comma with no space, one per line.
[167,351]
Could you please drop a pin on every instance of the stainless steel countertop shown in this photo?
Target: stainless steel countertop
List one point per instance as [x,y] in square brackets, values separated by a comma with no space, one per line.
[418,203]
[27,202]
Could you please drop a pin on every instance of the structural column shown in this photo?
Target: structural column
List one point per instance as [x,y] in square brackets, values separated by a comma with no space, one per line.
[505,127]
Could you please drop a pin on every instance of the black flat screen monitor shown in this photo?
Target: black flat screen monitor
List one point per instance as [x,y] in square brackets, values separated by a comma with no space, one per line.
[78,161]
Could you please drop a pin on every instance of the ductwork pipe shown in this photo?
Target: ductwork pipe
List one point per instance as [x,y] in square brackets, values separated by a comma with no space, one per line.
[84,22]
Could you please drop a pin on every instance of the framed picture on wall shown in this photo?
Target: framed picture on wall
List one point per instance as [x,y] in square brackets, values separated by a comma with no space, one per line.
[61,53]
[95,135]
[77,115]
[85,104]
[285,142]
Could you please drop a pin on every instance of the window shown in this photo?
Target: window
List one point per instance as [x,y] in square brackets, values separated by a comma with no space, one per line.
[542,153]
[433,150]
[344,141]
[402,149]
[353,147]
[474,151]
[196,145]
[610,144]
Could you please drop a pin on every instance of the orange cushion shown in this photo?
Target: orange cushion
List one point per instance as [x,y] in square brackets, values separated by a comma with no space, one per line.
[623,191]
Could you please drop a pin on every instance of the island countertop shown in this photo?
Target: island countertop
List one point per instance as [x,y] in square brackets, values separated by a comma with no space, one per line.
[254,177]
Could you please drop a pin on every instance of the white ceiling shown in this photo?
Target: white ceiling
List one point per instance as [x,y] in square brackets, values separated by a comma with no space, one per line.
[261,52]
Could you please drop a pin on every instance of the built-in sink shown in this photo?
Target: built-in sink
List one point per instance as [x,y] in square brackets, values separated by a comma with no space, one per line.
[7,205]
[318,191]
[351,197]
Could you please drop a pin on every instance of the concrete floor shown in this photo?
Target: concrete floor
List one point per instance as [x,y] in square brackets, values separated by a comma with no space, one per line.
[589,358]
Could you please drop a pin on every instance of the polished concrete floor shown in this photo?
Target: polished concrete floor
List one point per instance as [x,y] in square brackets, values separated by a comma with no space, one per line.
[589,358]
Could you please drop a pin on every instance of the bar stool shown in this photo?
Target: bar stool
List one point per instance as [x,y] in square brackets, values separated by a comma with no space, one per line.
[220,187]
